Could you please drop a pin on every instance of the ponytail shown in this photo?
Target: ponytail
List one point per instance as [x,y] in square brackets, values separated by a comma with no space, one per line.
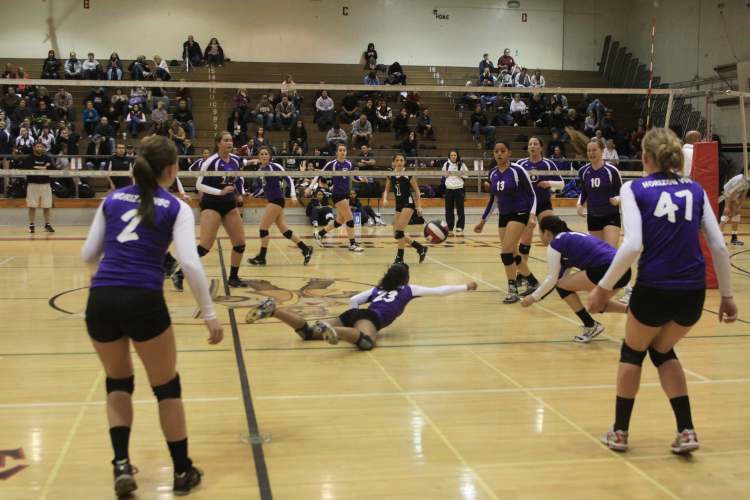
[156,154]
[553,224]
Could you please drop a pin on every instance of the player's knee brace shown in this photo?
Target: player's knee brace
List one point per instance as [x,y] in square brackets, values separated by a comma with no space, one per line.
[517,259]
[524,249]
[365,342]
[263,233]
[202,251]
[736,218]
[562,292]
[399,234]
[630,355]
[350,223]
[337,224]
[288,234]
[120,384]
[659,358]
[170,390]
[507,258]
[239,248]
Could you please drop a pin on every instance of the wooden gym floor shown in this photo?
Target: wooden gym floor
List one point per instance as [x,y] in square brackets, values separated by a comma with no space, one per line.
[463,398]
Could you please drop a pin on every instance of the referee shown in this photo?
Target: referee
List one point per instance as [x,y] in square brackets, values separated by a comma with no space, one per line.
[38,190]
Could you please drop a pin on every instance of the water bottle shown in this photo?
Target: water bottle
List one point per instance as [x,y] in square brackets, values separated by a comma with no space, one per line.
[357,223]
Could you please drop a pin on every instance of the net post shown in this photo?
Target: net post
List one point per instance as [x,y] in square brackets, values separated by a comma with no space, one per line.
[668,116]
[743,118]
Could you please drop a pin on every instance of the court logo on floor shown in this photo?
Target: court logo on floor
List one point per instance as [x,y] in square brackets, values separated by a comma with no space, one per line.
[8,465]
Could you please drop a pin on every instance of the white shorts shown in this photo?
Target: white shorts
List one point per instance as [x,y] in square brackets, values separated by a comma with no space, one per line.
[735,188]
[38,195]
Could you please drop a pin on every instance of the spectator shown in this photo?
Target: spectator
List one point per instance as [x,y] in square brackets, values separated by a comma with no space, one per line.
[159,119]
[259,141]
[401,124]
[136,121]
[572,120]
[324,111]
[289,88]
[214,55]
[100,99]
[47,137]
[349,108]
[537,109]
[114,67]
[410,146]
[412,103]
[106,131]
[264,112]
[608,126]
[9,72]
[597,107]
[518,110]
[522,79]
[119,162]
[161,69]
[589,125]
[361,132]
[610,153]
[96,152]
[184,93]
[455,194]
[487,78]
[24,143]
[319,210]
[367,214]
[424,125]
[114,117]
[537,80]
[371,79]
[73,67]
[559,99]
[384,115]
[21,112]
[286,114]
[487,99]
[298,135]
[335,136]
[184,117]
[90,118]
[90,68]
[177,134]
[366,160]
[556,141]
[10,101]
[505,79]
[556,119]
[51,67]
[191,52]
[139,69]
[506,62]
[237,127]
[558,156]
[371,57]
[241,102]
[370,111]
[485,64]
[120,101]
[396,75]
[157,94]
[480,126]
[38,190]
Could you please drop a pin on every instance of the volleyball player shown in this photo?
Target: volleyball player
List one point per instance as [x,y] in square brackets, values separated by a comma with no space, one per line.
[340,195]
[132,229]
[219,206]
[735,192]
[663,215]
[408,200]
[360,326]
[566,249]
[543,186]
[273,190]
[512,191]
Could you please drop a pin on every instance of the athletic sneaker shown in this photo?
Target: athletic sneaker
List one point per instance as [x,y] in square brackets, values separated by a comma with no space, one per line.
[177,279]
[31,228]
[736,242]
[48,228]
[370,222]
[124,471]
[263,310]
[186,481]
[398,260]
[459,231]
[315,224]
[530,288]
[627,292]
[379,221]
[512,295]
[307,254]
[329,334]
[685,442]
[356,248]
[589,332]
[236,283]
[318,239]
[422,253]
[616,440]
[257,261]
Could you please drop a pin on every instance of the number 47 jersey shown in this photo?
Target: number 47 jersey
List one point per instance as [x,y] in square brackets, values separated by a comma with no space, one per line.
[671,212]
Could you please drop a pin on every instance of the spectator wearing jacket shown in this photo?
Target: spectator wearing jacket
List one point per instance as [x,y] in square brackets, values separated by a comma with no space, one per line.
[214,54]
[90,118]
[286,114]
[361,132]
[424,125]
[73,67]
[90,68]
[51,67]
[485,63]
[191,52]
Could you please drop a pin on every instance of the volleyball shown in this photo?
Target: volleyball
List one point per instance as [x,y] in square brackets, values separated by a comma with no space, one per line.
[436,231]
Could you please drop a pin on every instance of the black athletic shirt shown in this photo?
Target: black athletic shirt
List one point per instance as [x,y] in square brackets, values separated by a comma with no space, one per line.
[401,186]
[33,160]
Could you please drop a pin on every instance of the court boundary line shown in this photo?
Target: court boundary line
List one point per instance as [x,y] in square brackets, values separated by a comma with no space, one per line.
[255,439]
[5,261]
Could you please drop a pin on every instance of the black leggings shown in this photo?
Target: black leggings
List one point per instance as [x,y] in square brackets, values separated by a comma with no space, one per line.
[454,200]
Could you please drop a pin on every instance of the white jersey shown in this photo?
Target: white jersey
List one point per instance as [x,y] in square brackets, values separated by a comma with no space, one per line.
[735,187]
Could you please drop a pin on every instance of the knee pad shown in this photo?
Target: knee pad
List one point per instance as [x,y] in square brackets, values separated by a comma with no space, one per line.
[630,355]
[239,248]
[201,251]
[507,258]
[399,234]
[562,293]
[365,342]
[724,219]
[517,259]
[659,358]
[263,233]
[288,234]
[350,223]
[524,249]
[305,333]
[170,390]
[120,384]
[736,218]
[336,224]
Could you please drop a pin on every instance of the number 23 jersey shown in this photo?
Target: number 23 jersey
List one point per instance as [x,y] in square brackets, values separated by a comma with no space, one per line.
[389,304]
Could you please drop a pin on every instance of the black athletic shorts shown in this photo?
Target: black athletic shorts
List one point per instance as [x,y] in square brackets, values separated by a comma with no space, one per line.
[547,205]
[595,274]
[279,201]
[223,205]
[339,197]
[522,217]
[351,316]
[113,312]
[599,222]
[655,307]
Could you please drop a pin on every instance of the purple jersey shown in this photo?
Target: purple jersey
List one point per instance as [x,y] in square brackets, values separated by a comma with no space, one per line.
[598,186]
[272,186]
[340,184]
[233,164]
[543,195]
[134,252]
[511,190]
[582,250]
[671,212]
[389,305]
